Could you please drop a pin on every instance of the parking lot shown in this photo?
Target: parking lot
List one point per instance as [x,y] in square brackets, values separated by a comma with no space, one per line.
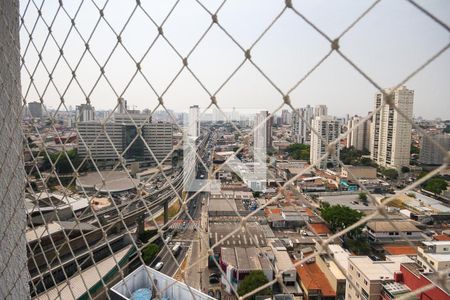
[351,201]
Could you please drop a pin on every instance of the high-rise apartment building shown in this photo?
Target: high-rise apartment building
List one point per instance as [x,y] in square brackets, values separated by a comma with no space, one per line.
[301,122]
[286,117]
[35,109]
[194,121]
[84,113]
[328,129]
[122,109]
[358,137]
[430,153]
[320,110]
[263,133]
[390,132]
[296,125]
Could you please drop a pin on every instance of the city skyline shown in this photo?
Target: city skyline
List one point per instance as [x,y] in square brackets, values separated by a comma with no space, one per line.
[122,176]
[335,83]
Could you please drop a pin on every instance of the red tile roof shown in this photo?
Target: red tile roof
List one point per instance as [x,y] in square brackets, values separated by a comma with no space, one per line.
[312,278]
[320,228]
[400,250]
[272,210]
[441,237]
[309,212]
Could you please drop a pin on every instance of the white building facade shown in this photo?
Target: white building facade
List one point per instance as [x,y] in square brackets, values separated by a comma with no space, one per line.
[328,129]
[391,132]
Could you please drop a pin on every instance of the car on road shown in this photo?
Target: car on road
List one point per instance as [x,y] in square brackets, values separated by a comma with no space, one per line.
[218,295]
[159,266]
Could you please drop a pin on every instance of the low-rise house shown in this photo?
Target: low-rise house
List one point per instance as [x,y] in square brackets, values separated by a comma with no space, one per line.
[314,283]
[392,232]
[237,262]
[334,263]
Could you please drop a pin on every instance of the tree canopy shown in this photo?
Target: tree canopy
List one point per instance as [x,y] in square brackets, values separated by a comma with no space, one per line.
[254,280]
[340,217]
[299,151]
[149,253]
[391,174]
[436,185]
[352,156]
[405,169]
[362,196]
[62,164]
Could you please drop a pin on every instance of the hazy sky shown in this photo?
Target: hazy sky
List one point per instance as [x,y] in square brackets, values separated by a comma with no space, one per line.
[388,44]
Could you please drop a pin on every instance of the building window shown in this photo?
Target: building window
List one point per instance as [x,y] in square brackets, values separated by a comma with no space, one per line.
[365,282]
[359,275]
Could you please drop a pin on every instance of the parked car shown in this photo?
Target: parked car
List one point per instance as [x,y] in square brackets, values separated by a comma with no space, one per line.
[159,266]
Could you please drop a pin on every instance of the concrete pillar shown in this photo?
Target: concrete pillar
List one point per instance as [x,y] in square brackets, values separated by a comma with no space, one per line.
[13,256]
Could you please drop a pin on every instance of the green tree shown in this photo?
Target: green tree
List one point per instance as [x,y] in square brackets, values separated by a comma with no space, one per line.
[62,161]
[362,196]
[405,169]
[256,194]
[436,185]
[149,253]
[299,151]
[340,217]
[254,280]
[414,150]
[391,174]
[352,156]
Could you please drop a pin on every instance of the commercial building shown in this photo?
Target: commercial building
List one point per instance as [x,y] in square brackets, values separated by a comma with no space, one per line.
[391,232]
[283,263]
[328,129]
[238,262]
[105,142]
[434,256]
[84,113]
[412,278]
[334,263]
[366,277]
[35,109]
[358,172]
[430,153]
[358,137]
[391,132]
